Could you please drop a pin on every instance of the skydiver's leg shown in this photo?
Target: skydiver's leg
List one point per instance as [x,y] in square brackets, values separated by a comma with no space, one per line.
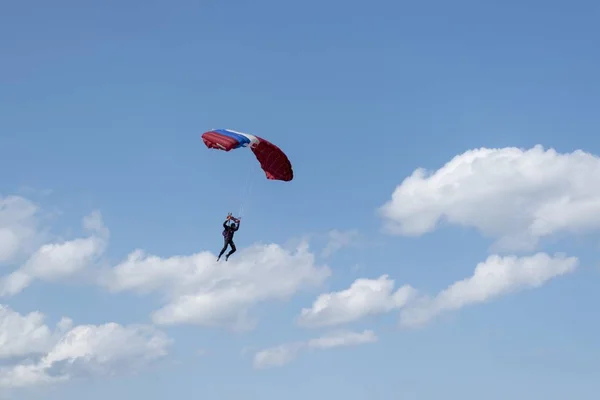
[230,251]
[223,249]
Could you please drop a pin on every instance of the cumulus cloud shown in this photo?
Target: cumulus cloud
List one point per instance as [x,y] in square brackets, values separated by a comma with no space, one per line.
[283,354]
[517,196]
[201,291]
[23,335]
[57,261]
[40,355]
[492,278]
[18,227]
[363,298]
[195,289]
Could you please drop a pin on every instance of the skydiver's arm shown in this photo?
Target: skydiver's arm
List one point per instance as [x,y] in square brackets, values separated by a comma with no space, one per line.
[225,224]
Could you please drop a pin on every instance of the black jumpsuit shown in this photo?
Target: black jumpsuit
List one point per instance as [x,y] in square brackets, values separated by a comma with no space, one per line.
[228,238]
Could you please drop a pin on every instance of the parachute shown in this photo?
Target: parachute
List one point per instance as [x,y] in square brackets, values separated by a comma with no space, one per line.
[272,159]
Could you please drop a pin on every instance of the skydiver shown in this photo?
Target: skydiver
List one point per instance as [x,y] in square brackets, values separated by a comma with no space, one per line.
[228,232]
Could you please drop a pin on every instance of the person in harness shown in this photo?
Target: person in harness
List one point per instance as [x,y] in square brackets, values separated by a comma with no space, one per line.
[228,232]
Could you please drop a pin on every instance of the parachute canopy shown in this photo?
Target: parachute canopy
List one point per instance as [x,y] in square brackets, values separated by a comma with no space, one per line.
[273,161]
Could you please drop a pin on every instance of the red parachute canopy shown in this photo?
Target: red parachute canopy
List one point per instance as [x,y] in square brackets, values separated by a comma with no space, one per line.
[273,161]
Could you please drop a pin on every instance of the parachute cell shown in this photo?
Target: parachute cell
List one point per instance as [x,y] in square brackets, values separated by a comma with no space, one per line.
[273,161]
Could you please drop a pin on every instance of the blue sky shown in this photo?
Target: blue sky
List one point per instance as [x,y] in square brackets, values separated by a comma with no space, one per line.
[102,107]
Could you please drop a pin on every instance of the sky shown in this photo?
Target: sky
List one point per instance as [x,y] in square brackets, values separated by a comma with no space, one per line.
[439,239]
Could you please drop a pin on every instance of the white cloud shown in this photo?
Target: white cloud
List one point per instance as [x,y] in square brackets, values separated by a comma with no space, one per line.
[364,297]
[342,339]
[23,335]
[515,195]
[18,227]
[203,292]
[195,288]
[58,261]
[86,350]
[277,356]
[337,240]
[281,355]
[492,278]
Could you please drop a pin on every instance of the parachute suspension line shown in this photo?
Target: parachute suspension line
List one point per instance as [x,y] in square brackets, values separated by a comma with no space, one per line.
[251,185]
[247,190]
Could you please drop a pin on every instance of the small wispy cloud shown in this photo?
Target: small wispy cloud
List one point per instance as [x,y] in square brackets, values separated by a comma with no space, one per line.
[283,354]
[337,240]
